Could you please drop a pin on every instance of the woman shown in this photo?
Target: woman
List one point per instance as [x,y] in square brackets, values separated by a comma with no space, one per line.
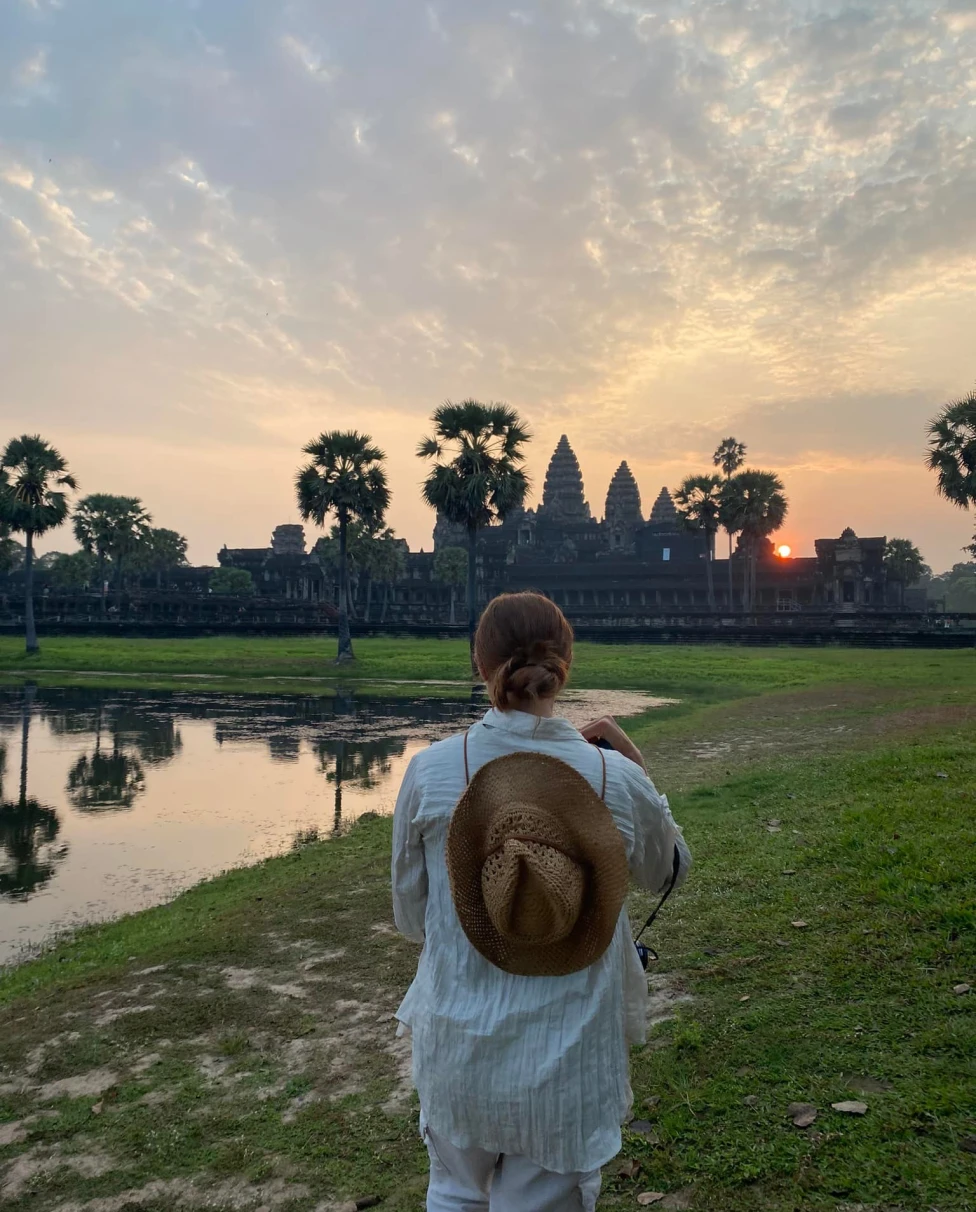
[511,849]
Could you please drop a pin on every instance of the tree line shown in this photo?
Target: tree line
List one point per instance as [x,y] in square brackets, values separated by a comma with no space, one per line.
[476,477]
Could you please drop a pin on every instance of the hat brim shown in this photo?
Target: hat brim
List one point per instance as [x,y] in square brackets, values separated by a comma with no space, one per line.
[592,836]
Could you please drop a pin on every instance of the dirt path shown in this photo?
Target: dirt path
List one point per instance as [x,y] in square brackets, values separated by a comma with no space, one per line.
[726,740]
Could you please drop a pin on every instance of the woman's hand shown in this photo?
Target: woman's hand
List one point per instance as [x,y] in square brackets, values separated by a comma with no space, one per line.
[607,729]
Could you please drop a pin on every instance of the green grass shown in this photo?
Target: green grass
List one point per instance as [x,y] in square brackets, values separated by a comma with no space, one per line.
[707,673]
[255,1084]
[884,854]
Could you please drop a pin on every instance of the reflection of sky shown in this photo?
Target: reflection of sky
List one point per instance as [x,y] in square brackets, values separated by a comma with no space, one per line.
[213,807]
[225,225]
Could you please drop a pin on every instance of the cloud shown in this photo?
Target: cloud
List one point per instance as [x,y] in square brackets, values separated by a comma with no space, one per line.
[635,219]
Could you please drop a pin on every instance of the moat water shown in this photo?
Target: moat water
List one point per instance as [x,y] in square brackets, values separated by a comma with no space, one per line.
[111,801]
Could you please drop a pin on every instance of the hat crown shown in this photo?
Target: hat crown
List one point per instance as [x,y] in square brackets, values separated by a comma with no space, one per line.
[533,891]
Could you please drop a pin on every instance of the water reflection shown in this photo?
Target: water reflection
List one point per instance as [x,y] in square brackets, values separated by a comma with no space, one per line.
[365,765]
[155,790]
[135,795]
[28,829]
[105,780]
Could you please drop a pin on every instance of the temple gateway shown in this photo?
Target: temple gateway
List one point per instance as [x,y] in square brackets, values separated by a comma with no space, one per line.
[624,568]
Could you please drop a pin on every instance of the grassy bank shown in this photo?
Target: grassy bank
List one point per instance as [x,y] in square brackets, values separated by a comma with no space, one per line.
[236,1045]
[702,673]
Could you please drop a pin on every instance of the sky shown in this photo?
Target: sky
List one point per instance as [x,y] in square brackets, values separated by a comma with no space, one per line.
[229,225]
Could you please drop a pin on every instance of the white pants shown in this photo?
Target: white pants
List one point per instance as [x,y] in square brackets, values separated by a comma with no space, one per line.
[471,1180]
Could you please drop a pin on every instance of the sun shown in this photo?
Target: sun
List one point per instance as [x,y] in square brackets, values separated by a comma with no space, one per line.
[784,551]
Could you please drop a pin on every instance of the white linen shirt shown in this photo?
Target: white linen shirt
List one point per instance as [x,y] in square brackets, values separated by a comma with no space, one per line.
[529,1065]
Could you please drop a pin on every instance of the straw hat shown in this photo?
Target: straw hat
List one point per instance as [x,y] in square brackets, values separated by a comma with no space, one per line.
[537,866]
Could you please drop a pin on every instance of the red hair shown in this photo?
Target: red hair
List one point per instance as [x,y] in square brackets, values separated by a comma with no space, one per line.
[524,648]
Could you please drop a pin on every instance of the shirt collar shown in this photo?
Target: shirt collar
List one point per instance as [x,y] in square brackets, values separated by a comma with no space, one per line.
[524,723]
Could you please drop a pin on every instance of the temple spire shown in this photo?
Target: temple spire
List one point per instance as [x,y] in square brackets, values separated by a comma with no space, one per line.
[664,512]
[562,493]
[623,505]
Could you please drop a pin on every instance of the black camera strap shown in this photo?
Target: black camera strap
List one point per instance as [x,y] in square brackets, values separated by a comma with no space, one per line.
[675,869]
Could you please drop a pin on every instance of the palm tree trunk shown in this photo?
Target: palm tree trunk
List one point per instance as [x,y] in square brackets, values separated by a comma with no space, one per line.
[709,571]
[25,719]
[745,578]
[386,601]
[472,591]
[101,583]
[453,600]
[369,597]
[345,652]
[337,818]
[29,628]
[731,587]
[118,587]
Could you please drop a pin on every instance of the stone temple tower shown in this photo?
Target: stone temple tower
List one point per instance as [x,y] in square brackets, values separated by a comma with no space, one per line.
[562,493]
[663,512]
[622,514]
[288,540]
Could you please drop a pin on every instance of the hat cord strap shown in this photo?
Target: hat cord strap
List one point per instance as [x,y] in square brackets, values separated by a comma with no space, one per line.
[675,870]
[603,790]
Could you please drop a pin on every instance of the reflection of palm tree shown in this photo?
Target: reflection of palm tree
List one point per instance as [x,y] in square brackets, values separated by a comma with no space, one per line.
[284,747]
[27,829]
[340,762]
[105,780]
[155,735]
[155,738]
[359,762]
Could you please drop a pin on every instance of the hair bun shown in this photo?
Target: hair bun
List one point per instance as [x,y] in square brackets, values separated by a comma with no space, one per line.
[534,671]
[524,647]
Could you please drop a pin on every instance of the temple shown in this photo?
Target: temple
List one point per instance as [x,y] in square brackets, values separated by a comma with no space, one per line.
[621,568]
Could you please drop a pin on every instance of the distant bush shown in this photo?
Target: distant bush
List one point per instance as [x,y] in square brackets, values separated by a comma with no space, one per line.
[957,588]
[73,571]
[236,582]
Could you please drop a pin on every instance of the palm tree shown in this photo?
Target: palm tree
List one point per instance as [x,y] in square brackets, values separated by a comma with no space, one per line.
[389,565]
[952,453]
[754,503]
[477,477]
[33,483]
[344,478]
[904,565]
[111,528]
[160,552]
[450,566]
[729,456]
[699,505]
[91,524]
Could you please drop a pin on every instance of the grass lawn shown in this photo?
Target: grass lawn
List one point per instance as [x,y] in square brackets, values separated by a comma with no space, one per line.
[693,672]
[237,1046]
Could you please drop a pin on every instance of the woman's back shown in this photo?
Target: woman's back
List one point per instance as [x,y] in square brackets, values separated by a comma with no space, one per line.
[534,1065]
